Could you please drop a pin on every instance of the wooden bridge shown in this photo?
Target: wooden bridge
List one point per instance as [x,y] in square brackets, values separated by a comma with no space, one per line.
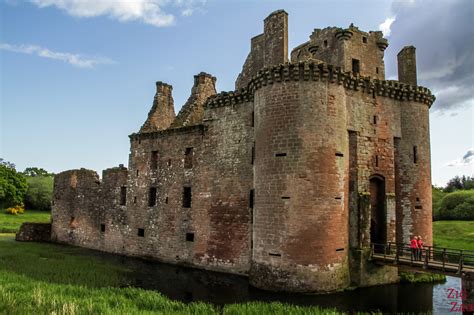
[451,262]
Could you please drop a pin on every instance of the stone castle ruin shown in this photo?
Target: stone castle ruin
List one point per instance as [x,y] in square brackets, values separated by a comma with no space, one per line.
[288,179]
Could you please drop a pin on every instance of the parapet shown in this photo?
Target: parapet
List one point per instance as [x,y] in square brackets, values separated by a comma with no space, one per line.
[311,71]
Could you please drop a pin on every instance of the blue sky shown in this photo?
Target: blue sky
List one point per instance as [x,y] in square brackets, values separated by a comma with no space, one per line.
[77,76]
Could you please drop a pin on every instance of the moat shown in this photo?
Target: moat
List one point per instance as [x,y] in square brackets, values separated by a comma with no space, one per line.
[189,284]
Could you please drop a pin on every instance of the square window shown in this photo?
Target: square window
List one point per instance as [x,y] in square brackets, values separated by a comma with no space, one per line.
[189,237]
[141,232]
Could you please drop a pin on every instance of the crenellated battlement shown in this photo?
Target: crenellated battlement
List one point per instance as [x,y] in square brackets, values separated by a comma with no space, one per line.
[312,71]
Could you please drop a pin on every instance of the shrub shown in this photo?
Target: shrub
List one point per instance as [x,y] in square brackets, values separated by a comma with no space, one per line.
[458,205]
[18,209]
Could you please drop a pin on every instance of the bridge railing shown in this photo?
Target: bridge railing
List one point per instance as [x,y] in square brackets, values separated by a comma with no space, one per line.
[427,257]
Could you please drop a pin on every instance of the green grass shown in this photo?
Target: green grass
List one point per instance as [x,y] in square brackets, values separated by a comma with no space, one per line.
[10,223]
[40,278]
[454,234]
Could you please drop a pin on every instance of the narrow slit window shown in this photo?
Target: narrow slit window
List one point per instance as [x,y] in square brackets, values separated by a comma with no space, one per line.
[376,161]
[340,154]
[375,120]
[123,195]
[135,199]
[169,162]
[138,172]
[141,232]
[251,198]
[280,154]
[166,200]
[415,154]
[355,66]
[152,197]
[274,254]
[154,160]
[252,119]
[187,196]
[285,197]
[102,228]
[253,154]
[339,249]
[377,70]
[188,158]
[189,237]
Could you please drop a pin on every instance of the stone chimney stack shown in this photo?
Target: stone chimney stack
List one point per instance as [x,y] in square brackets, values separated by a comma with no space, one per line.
[193,111]
[407,65]
[162,112]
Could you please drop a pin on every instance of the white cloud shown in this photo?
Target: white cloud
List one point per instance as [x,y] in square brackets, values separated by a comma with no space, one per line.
[73,59]
[385,26]
[147,11]
[467,159]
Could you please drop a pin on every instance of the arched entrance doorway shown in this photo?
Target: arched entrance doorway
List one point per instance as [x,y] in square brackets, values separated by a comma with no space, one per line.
[378,217]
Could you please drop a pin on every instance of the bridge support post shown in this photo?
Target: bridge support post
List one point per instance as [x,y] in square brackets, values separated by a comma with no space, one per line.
[467,287]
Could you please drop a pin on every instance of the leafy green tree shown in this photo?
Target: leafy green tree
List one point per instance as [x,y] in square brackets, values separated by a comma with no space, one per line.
[13,185]
[39,193]
[36,171]
[459,183]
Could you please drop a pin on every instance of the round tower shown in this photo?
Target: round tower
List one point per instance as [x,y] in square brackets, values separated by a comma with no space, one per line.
[413,162]
[300,227]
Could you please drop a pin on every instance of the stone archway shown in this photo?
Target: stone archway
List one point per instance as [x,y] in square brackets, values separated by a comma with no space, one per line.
[378,215]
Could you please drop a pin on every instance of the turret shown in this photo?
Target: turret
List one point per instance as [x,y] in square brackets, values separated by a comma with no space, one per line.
[162,113]
[407,65]
[192,112]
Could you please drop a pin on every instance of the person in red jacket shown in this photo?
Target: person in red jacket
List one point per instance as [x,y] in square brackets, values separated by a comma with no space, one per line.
[420,247]
[414,248]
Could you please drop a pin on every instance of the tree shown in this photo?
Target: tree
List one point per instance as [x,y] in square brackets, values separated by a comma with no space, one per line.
[459,183]
[12,185]
[39,193]
[36,171]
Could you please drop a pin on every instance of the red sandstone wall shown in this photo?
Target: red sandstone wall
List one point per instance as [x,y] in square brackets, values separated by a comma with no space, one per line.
[301,214]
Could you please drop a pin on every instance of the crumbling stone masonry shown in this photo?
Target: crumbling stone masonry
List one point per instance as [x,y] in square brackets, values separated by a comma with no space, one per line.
[288,179]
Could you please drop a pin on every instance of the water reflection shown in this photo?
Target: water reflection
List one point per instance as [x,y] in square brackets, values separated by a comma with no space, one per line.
[188,284]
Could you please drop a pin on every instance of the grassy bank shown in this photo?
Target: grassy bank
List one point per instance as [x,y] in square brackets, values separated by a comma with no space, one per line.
[454,234]
[38,278]
[10,223]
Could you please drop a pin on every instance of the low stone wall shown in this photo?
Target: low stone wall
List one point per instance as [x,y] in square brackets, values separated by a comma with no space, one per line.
[34,232]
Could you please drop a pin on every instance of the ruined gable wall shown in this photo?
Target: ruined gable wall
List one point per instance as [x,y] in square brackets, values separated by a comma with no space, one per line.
[76,208]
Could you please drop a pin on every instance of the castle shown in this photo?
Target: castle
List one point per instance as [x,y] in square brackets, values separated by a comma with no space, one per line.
[288,179]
